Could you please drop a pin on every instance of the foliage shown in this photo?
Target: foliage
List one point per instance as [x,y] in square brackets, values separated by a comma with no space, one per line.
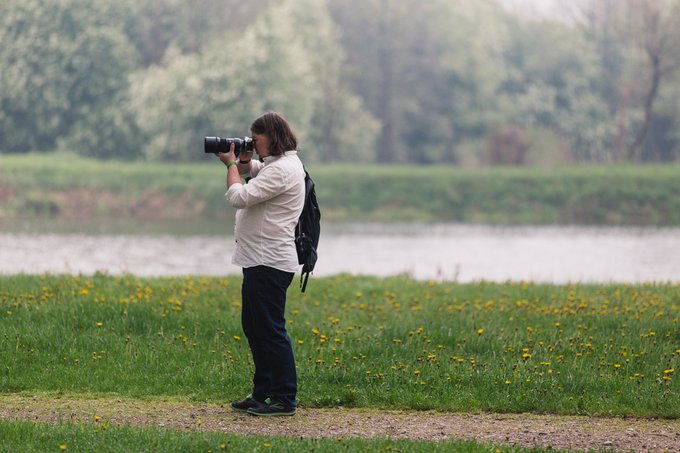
[364,342]
[63,66]
[221,91]
[551,85]
[371,80]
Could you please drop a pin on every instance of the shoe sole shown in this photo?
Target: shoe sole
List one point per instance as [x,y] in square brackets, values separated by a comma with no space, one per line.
[273,414]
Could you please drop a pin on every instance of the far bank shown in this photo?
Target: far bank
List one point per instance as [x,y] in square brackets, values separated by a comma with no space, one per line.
[68,189]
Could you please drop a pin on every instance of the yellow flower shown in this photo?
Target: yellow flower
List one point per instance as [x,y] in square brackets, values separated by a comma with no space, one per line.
[97,418]
[480,331]
[668,371]
[237,338]
[62,447]
[315,331]
[100,324]
[301,342]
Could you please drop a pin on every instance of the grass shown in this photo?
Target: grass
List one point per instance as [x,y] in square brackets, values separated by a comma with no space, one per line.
[394,343]
[62,187]
[19,437]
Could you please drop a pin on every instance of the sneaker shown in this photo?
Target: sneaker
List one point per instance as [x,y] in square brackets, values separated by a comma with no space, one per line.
[248,403]
[272,410]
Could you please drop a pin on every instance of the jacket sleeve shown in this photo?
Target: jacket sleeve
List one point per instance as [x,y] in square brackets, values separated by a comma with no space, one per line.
[269,183]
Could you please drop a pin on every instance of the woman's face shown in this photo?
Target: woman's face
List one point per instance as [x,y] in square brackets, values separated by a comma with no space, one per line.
[261,144]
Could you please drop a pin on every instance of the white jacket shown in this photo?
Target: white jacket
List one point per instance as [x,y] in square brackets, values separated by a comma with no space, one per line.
[268,208]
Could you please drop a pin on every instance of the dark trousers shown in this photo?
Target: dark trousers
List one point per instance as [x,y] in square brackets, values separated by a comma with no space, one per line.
[264,301]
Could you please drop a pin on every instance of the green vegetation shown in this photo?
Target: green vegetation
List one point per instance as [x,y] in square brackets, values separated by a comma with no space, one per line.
[19,437]
[361,81]
[359,342]
[69,188]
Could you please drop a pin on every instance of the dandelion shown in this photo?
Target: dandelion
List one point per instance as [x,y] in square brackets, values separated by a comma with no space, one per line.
[237,338]
[315,331]
[100,324]
[480,331]
[670,371]
[97,418]
[301,342]
[63,447]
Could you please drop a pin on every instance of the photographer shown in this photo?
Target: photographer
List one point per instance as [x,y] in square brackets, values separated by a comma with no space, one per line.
[268,207]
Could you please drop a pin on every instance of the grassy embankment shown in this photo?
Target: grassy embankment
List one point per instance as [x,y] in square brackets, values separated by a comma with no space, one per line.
[57,188]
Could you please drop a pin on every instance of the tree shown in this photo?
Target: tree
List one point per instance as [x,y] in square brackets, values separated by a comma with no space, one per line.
[341,128]
[221,90]
[158,25]
[642,37]
[551,84]
[426,70]
[60,63]
[288,60]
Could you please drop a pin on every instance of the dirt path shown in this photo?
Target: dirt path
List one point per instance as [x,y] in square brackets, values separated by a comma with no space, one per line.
[559,432]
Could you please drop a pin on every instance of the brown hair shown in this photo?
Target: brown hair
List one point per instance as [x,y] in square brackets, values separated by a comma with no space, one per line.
[276,128]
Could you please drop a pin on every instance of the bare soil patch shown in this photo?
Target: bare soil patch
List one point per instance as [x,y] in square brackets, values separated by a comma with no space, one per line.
[528,430]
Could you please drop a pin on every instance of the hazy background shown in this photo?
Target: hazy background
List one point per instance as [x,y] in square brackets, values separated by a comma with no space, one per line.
[536,117]
[442,81]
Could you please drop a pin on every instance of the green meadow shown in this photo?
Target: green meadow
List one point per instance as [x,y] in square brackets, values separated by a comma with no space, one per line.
[359,342]
[61,187]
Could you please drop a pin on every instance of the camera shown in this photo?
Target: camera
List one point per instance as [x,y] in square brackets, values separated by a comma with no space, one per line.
[221,145]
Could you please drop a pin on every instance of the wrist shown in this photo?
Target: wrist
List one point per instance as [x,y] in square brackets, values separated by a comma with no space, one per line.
[229,164]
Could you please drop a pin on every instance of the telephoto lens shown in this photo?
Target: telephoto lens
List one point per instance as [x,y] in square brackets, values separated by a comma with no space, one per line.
[216,145]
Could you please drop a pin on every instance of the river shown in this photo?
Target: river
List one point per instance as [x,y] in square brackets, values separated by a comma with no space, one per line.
[463,253]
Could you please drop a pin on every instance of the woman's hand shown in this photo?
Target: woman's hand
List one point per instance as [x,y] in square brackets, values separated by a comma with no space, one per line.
[245,156]
[227,157]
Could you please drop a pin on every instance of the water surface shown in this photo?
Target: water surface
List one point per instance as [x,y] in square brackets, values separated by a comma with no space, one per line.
[461,253]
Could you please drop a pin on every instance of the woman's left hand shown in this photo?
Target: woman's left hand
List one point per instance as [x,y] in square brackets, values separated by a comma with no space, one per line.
[227,157]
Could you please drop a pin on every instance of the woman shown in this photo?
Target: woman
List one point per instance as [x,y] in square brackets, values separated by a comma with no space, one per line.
[268,208]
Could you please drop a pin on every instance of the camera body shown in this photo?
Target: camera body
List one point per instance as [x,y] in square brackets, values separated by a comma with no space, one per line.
[221,145]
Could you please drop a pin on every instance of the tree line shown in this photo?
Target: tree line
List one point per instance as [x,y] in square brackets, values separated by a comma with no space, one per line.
[389,81]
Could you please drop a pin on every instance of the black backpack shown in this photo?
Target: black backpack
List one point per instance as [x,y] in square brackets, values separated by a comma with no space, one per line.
[307,232]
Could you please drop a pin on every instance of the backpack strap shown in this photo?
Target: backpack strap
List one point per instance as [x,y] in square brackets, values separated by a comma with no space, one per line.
[305,276]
